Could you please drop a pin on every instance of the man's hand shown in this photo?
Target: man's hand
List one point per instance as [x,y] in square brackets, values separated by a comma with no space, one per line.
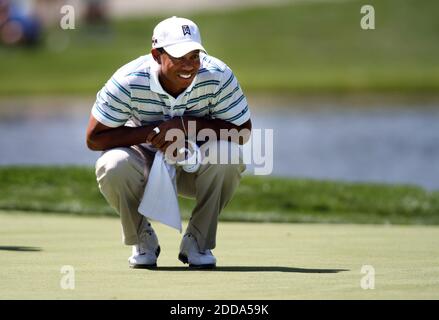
[157,137]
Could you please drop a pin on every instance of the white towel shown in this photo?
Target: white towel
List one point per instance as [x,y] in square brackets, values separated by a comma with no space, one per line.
[159,201]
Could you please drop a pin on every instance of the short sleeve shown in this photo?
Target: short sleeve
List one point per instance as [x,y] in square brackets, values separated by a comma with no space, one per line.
[113,103]
[230,104]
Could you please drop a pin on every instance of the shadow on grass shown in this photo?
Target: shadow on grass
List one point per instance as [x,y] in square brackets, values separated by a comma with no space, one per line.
[252,269]
[19,248]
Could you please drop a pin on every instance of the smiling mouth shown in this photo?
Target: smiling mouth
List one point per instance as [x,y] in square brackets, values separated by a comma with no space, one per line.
[185,76]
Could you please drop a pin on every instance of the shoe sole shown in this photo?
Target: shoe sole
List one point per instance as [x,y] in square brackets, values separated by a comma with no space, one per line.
[183,258]
[143,266]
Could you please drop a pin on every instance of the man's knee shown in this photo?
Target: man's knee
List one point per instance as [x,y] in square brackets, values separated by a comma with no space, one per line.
[231,169]
[224,172]
[221,152]
[113,165]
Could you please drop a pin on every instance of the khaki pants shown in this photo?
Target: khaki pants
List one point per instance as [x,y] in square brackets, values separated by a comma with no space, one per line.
[122,174]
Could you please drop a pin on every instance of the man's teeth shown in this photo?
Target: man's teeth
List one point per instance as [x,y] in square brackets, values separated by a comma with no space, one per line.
[186,76]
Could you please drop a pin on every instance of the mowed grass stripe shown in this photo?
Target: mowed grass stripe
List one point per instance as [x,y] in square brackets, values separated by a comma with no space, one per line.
[74,190]
[314,46]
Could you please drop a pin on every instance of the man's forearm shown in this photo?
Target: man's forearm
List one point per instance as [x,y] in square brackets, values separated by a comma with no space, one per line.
[119,137]
[127,136]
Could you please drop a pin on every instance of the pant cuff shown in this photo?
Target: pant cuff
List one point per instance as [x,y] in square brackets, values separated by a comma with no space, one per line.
[131,241]
[201,240]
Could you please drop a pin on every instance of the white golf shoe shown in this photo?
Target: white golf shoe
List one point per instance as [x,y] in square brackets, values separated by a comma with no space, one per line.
[190,253]
[145,254]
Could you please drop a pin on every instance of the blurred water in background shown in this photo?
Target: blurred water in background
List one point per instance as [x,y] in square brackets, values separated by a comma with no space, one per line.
[379,144]
[375,144]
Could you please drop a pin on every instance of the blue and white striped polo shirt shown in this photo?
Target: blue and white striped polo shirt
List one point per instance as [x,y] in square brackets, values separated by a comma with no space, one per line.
[134,97]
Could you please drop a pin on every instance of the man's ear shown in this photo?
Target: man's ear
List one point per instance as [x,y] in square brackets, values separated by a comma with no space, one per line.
[156,55]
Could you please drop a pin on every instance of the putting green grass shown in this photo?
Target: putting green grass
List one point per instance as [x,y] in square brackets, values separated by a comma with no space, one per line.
[255,261]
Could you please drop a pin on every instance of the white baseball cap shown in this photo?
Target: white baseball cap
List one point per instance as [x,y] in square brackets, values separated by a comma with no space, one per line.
[178,36]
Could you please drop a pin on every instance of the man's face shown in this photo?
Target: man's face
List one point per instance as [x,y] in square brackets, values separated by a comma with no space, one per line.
[176,74]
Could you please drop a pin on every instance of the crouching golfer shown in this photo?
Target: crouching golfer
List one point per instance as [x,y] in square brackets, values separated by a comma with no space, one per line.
[173,86]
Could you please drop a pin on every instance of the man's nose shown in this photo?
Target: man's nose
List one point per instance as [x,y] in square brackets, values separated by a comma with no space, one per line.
[188,65]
